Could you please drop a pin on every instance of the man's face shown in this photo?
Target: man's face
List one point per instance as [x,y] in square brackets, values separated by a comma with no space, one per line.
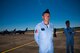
[67,24]
[46,17]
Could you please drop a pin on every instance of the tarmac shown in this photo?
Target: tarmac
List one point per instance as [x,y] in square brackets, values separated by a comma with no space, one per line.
[24,43]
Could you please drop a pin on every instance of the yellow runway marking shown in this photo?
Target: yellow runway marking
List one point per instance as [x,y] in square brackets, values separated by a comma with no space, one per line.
[17,47]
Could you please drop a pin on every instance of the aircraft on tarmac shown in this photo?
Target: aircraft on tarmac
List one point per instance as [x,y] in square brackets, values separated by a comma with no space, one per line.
[14,31]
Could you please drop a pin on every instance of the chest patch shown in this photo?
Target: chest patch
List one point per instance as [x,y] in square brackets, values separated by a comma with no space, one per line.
[42,29]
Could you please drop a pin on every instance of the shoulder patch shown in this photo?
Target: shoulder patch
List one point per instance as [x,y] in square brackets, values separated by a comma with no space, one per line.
[36,31]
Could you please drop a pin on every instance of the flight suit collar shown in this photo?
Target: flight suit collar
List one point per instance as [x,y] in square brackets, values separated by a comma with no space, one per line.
[68,28]
[46,25]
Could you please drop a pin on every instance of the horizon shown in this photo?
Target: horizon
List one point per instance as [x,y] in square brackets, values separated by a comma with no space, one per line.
[33,29]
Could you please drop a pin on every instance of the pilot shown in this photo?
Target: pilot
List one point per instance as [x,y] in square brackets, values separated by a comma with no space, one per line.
[69,33]
[43,34]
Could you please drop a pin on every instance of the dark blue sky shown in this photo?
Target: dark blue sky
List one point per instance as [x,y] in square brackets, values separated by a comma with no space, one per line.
[21,14]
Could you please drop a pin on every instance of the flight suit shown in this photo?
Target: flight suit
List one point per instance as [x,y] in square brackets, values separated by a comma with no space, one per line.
[69,33]
[43,36]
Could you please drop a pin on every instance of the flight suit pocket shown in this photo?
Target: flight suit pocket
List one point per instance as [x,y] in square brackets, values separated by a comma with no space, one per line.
[42,29]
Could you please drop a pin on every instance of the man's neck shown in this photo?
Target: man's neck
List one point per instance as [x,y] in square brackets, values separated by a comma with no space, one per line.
[68,27]
[46,22]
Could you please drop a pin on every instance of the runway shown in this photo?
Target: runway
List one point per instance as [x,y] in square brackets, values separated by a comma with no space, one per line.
[24,43]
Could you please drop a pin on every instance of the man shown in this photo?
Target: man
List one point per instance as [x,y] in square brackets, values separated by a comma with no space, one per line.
[43,34]
[69,33]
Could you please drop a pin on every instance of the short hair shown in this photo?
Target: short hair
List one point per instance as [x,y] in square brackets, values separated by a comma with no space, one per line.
[46,11]
[67,22]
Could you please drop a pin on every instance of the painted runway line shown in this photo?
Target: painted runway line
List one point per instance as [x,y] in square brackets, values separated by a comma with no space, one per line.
[17,47]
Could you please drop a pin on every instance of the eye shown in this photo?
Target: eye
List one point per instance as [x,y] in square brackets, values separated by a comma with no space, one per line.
[48,16]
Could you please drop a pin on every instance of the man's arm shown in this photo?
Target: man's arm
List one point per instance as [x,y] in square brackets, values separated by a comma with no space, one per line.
[73,32]
[55,33]
[36,34]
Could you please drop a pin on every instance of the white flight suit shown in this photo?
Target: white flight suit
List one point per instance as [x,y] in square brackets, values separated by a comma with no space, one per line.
[43,36]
